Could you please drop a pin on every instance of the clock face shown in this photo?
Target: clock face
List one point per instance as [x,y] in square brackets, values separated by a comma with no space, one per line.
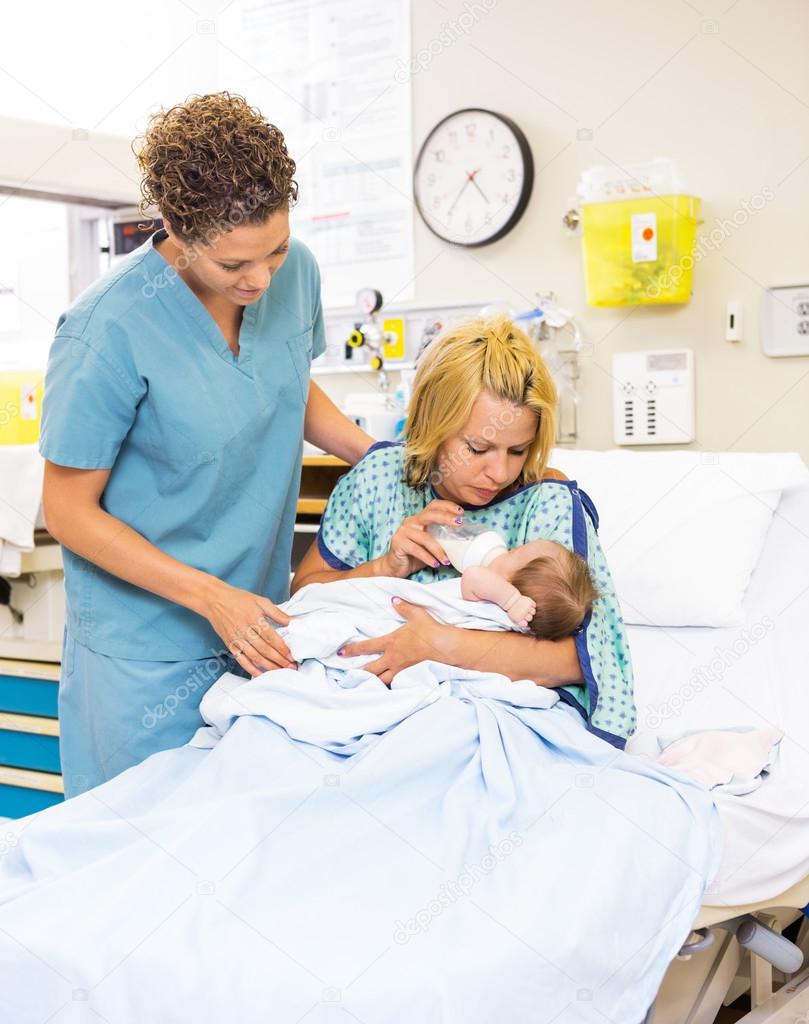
[473,177]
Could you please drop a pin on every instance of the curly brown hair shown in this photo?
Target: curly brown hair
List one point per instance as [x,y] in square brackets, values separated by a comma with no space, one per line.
[212,163]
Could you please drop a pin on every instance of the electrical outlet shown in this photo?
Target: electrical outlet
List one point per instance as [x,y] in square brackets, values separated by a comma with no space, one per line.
[784,323]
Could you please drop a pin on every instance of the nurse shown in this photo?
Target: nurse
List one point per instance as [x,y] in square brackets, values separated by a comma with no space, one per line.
[177,397]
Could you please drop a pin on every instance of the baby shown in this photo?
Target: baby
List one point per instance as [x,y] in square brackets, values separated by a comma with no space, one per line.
[543,586]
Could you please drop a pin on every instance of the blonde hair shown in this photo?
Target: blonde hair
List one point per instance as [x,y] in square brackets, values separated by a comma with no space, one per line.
[480,355]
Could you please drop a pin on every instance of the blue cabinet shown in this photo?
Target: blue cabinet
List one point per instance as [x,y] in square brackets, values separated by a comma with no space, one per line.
[30,776]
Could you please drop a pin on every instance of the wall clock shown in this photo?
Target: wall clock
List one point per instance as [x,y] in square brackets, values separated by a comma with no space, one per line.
[473,177]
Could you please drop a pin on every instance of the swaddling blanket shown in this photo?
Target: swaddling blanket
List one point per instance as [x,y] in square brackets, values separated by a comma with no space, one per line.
[456,848]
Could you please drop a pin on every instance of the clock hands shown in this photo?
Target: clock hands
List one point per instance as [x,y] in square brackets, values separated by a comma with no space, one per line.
[470,179]
[455,201]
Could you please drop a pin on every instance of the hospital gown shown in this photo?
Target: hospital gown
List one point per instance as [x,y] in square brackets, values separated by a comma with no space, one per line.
[371,501]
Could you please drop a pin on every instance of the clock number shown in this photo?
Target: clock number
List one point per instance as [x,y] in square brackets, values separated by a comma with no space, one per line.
[463,194]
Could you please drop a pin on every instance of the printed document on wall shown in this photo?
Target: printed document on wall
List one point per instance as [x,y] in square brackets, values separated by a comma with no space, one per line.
[334,76]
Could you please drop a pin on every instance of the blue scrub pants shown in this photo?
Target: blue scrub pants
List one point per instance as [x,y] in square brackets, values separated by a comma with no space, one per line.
[115,712]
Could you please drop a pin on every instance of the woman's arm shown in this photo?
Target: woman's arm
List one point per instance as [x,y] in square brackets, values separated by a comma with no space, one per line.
[411,547]
[313,568]
[326,427]
[73,515]
[422,638]
[547,662]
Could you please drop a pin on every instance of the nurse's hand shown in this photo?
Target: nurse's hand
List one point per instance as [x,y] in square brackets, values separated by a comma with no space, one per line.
[412,547]
[419,639]
[240,619]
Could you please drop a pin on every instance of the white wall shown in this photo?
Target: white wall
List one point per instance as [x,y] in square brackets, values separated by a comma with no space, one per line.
[721,87]
[34,262]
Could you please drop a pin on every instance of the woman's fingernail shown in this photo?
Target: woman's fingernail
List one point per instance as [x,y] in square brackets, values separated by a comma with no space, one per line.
[446,561]
[395,600]
[436,564]
[340,651]
[459,520]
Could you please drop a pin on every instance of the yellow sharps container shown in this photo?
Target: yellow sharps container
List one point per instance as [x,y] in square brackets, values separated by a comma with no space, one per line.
[639,251]
[639,229]
[20,406]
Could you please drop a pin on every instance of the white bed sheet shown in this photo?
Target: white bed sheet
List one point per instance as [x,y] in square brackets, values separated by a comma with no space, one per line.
[757,674]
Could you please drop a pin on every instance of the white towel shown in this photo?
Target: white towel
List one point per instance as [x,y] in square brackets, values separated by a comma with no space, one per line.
[21,470]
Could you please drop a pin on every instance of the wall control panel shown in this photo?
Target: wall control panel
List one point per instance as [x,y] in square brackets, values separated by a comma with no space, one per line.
[653,396]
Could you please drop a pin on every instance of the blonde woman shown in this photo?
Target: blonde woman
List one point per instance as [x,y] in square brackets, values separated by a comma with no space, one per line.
[177,396]
[479,432]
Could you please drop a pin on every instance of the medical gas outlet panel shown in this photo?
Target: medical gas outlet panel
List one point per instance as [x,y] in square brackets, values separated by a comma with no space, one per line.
[653,396]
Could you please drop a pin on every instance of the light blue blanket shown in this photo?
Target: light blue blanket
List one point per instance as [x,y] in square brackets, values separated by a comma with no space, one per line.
[456,849]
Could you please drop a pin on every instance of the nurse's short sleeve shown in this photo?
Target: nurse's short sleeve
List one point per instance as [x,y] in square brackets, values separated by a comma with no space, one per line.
[319,329]
[88,408]
[345,537]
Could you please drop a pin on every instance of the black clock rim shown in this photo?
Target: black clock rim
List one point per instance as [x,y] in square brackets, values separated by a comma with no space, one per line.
[528,180]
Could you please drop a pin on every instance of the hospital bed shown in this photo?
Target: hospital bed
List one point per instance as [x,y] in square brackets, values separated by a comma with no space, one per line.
[765,864]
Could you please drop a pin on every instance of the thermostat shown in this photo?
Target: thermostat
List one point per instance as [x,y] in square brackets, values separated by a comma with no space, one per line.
[653,396]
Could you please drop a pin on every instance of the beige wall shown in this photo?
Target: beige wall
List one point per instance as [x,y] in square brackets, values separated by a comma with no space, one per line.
[725,94]
[68,160]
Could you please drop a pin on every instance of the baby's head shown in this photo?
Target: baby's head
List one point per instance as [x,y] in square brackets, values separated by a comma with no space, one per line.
[560,584]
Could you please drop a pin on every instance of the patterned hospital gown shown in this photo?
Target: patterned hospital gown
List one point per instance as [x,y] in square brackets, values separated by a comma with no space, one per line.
[370,502]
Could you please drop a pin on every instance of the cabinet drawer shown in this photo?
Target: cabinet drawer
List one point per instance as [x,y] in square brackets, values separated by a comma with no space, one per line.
[27,742]
[27,695]
[18,801]
[23,792]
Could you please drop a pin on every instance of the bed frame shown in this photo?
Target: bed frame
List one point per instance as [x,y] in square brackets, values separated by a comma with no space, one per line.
[713,969]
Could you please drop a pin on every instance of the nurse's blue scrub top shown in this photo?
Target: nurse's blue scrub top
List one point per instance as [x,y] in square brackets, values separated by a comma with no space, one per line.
[204,447]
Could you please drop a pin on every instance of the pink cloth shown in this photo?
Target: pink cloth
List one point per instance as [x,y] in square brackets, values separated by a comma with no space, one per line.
[717,757]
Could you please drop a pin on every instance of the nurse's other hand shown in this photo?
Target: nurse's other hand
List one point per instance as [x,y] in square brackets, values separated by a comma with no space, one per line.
[417,640]
[412,546]
[240,619]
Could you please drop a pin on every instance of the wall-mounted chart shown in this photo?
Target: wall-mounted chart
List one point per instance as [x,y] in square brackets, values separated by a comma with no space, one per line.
[328,73]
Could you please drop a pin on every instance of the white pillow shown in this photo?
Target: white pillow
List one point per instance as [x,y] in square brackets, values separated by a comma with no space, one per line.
[682,530]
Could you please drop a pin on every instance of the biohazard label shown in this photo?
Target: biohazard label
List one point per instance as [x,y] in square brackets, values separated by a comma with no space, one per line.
[644,237]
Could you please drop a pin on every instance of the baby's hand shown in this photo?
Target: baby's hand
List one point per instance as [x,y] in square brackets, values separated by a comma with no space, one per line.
[522,611]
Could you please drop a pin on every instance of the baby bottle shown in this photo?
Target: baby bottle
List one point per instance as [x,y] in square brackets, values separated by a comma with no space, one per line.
[470,544]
